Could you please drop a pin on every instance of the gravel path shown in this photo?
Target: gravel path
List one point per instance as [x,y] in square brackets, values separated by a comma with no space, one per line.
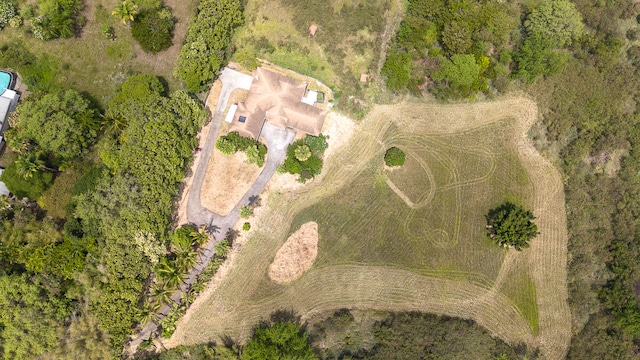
[277,142]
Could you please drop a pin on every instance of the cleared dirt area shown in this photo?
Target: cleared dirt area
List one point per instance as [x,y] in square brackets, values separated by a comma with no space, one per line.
[296,255]
[370,255]
[228,178]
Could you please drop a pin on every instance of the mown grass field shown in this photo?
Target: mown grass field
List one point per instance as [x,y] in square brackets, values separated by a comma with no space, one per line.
[348,42]
[95,65]
[412,239]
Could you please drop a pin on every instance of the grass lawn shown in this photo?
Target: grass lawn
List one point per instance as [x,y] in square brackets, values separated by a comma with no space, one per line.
[348,41]
[413,238]
[95,65]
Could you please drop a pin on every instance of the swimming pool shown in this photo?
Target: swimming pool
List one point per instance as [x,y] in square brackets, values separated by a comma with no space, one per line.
[5,81]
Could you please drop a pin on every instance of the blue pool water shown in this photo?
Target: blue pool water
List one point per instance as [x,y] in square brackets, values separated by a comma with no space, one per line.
[5,80]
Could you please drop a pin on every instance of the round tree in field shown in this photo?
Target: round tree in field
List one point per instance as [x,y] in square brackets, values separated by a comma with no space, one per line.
[511,225]
[394,157]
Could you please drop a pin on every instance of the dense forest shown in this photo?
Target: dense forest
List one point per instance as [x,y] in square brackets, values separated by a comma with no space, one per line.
[578,60]
[88,248]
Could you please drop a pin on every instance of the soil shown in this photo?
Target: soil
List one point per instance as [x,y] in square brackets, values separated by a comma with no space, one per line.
[227,180]
[296,255]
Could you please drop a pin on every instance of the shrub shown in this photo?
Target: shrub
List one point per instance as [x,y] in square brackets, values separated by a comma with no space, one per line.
[317,144]
[246,211]
[30,187]
[394,157]
[26,12]
[107,32]
[15,21]
[153,30]
[246,226]
[633,34]
[233,142]
[7,12]
[226,146]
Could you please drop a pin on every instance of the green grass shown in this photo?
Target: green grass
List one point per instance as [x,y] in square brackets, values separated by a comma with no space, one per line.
[347,42]
[453,180]
[93,64]
[519,287]
[472,172]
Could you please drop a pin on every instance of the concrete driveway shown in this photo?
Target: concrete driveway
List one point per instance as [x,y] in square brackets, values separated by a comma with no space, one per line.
[231,80]
[277,142]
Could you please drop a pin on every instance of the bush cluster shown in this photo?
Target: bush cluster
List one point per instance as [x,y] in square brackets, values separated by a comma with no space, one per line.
[394,157]
[7,12]
[304,157]
[57,19]
[231,143]
[153,29]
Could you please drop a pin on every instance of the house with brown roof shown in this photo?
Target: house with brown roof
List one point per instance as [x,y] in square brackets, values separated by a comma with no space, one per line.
[280,101]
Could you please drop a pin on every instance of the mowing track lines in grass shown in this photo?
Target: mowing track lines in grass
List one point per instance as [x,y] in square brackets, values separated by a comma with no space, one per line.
[379,288]
[382,287]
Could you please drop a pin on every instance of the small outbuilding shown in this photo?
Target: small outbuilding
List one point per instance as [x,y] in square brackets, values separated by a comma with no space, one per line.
[312,30]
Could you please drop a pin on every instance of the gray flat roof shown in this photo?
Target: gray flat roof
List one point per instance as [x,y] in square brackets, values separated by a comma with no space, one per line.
[5,105]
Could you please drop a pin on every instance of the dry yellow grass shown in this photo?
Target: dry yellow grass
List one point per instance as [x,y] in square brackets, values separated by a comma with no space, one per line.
[296,255]
[244,296]
[227,180]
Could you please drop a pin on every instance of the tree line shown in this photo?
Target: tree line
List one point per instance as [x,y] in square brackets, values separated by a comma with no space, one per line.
[88,248]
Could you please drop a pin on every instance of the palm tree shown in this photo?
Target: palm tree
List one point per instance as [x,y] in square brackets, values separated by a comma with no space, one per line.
[126,11]
[200,237]
[113,126]
[146,316]
[170,273]
[161,295]
[5,202]
[28,164]
[198,286]
[186,260]
[187,298]
[222,249]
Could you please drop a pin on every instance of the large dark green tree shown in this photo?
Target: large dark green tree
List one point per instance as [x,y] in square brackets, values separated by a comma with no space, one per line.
[557,21]
[206,44]
[511,225]
[63,123]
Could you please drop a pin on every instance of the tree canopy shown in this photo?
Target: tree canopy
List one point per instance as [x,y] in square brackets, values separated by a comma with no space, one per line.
[394,157]
[557,21]
[62,123]
[207,41]
[511,225]
[282,340]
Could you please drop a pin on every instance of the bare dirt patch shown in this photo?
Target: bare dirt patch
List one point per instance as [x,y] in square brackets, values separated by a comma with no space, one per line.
[296,255]
[214,94]
[227,179]
[340,130]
